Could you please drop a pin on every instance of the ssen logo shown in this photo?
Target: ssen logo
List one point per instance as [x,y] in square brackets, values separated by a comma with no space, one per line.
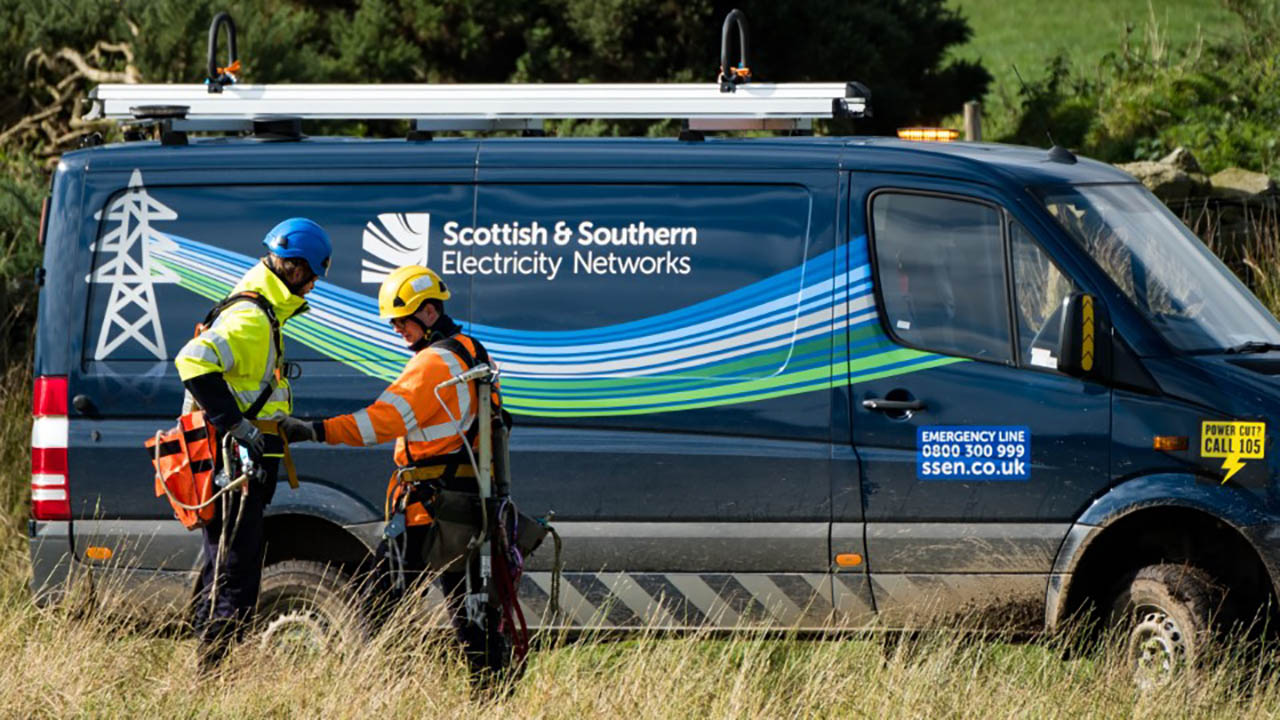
[533,249]
[394,240]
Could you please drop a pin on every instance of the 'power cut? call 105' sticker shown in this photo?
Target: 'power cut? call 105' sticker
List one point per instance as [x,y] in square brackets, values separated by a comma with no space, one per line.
[973,452]
[1234,442]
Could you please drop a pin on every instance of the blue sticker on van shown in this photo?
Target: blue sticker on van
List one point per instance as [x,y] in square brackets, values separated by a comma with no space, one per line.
[973,452]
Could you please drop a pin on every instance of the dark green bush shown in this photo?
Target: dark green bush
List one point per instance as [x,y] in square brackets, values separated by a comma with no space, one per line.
[1221,100]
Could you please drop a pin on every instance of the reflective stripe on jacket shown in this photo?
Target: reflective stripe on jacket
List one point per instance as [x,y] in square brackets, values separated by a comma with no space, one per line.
[240,347]
[409,411]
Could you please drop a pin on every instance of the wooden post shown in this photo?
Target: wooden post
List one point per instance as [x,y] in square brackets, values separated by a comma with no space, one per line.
[973,121]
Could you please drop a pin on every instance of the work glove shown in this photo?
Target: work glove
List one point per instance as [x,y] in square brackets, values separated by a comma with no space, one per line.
[295,430]
[250,438]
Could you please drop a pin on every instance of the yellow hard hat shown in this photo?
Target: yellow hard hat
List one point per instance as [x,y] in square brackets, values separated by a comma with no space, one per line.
[405,288]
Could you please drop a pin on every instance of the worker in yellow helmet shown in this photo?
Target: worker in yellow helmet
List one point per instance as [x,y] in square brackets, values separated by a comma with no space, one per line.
[429,450]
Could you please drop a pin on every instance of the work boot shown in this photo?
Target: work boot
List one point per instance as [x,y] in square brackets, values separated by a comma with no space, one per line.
[216,638]
[209,657]
[488,651]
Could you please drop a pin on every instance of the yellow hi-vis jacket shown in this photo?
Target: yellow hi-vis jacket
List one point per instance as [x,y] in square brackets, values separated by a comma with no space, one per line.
[409,411]
[240,347]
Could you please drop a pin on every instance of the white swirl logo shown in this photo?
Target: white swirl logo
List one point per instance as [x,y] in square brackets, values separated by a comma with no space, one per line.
[394,240]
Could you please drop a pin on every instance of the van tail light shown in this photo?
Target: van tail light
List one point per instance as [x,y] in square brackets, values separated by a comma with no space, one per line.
[50,494]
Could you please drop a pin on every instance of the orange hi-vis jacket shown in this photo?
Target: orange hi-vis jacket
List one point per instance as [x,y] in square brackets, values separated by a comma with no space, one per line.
[409,410]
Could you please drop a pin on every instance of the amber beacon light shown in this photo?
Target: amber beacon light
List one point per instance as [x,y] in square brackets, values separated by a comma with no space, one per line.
[928,134]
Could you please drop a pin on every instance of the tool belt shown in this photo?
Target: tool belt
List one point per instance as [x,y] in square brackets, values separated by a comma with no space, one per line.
[451,509]
[437,473]
[456,519]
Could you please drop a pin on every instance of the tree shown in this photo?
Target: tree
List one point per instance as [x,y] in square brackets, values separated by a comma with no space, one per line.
[52,53]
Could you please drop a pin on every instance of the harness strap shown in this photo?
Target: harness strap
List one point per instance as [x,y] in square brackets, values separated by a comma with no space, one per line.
[262,304]
[455,346]
[436,472]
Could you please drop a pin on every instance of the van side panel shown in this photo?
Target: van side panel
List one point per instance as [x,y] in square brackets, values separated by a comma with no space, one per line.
[673,397]
[693,458]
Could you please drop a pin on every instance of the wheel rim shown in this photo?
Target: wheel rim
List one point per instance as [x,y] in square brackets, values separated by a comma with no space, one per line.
[302,631]
[1157,647]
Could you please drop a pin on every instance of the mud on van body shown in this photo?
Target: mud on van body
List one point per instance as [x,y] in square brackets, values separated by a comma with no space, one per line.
[803,382]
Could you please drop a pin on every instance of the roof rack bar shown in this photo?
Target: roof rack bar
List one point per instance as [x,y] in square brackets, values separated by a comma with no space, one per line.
[714,124]
[494,106]
[433,124]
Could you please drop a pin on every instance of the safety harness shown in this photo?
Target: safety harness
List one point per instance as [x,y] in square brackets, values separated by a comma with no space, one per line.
[270,427]
[512,535]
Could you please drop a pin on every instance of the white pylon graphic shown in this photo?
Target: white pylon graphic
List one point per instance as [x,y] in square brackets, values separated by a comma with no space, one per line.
[131,308]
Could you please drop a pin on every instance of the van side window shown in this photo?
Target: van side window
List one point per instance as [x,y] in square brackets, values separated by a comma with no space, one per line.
[942,274]
[1039,288]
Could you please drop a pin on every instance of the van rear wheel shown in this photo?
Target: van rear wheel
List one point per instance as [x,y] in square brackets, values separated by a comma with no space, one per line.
[1166,613]
[306,606]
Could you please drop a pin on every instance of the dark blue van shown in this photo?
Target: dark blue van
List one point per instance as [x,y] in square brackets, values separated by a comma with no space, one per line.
[802,382]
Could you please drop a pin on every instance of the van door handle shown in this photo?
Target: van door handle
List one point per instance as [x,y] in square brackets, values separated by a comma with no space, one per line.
[892,405]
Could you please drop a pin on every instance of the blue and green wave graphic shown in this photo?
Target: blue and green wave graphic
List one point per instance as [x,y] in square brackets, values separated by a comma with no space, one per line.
[806,329]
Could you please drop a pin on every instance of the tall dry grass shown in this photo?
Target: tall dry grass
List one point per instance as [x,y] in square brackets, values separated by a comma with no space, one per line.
[1246,237]
[62,664]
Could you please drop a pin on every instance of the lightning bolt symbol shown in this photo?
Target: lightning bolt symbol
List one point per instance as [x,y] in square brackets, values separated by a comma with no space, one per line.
[1232,464]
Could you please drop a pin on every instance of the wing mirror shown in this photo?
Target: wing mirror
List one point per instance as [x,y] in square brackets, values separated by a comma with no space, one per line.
[1084,337]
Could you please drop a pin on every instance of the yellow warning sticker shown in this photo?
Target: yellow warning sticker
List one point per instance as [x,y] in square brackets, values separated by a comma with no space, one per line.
[1234,442]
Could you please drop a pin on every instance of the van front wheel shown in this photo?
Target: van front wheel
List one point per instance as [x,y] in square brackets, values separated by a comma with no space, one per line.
[306,606]
[1166,614]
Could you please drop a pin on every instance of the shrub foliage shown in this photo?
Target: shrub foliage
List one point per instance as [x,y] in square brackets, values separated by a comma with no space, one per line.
[1219,99]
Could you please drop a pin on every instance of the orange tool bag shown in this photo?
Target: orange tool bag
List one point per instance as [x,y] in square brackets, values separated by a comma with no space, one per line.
[185,458]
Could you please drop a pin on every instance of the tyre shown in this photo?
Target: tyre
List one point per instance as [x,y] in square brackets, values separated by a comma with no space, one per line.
[1165,614]
[307,606]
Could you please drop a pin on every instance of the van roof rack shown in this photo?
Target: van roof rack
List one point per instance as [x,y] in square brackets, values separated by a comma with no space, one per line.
[704,106]
[734,102]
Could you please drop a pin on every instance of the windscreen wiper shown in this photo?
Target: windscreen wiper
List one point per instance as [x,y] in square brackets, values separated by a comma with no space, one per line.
[1252,346]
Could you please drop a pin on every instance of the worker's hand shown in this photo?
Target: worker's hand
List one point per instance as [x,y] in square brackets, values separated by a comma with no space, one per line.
[295,430]
[249,437]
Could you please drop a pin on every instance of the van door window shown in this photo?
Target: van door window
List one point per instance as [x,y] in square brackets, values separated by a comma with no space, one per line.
[1039,288]
[942,274]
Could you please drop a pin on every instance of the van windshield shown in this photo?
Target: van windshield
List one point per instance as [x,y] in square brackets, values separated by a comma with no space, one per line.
[1188,294]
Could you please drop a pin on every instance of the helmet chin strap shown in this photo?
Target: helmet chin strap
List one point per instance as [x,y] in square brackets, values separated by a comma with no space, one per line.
[425,341]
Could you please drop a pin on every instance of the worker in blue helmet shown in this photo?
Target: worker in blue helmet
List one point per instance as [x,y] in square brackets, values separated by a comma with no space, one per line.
[233,370]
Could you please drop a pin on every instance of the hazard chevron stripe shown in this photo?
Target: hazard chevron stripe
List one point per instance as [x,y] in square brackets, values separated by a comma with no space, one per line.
[688,601]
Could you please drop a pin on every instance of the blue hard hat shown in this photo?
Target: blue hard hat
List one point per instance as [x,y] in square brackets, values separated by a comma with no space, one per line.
[301,238]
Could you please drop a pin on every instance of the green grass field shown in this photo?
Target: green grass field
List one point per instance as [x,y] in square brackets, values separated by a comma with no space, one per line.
[1027,33]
